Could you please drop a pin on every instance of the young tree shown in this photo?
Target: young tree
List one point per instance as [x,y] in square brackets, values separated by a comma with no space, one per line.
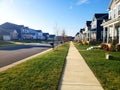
[63,36]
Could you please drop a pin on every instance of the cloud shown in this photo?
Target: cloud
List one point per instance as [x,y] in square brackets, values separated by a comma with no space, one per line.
[80,2]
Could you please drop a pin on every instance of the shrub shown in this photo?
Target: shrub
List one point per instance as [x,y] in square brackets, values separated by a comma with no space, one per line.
[106,47]
[84,42]
[118,47]
[93,42]
[102,45]
[113,45]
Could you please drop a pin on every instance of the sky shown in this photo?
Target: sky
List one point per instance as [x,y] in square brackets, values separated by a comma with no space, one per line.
[51,15]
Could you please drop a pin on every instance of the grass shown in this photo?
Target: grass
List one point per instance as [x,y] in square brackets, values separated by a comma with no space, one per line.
[107,71]
[5,43]
[40,73]
[33,41]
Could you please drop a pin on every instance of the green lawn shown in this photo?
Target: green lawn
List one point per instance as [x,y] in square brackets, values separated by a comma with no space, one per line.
[107,71]
[40,73]
[5,43]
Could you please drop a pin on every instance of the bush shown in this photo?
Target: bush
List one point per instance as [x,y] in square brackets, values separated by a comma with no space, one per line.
[118,47]
[113,45]
[102,45]
[93,42]
[106,47]
[84,42]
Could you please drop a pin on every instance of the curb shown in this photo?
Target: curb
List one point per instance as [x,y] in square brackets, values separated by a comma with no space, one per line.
[23,60]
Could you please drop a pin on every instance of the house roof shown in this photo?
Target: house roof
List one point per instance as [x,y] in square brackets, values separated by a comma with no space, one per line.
[44,34]
[4,31]
[81,30]
[77,33]
[101,15]
[51,36]
[88,23]
[39,31]
[9,26]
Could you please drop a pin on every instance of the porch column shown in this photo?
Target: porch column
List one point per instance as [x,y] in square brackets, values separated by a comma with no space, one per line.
[89,36]
[104,35]
[119,33]
[108,31]
[113,32]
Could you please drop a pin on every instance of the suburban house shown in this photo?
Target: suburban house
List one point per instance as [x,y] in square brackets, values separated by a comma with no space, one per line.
[112,25]
[27,33]
[45,36]
[96,28]
[51,37]
[87,31]
[9,34]
[80,36]
[76,36]
[39,34]
[12,31]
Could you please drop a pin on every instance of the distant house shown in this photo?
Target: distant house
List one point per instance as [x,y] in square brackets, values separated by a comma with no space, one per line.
[40,34]
[96,28]
[87,31]
[21,32]
[80,36]
[10,26]
[112,25]
[45,36]
[8,34]
[51,37]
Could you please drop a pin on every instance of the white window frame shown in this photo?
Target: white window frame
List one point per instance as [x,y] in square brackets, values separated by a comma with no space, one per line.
[118,9]
[114,12]
[110,14]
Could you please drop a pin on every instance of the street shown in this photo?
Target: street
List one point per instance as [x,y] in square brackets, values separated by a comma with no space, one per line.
[13,54]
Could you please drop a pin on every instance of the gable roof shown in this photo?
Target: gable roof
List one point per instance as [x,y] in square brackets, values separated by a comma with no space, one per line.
[4,31]
[45,34]
[88,23]
[100,16]
[8,26]
[51,36]
[110,4]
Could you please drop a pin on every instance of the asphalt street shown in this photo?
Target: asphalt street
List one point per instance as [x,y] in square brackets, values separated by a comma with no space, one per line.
[13,54]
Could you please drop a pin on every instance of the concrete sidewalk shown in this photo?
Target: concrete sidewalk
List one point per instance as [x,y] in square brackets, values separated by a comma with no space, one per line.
[77,75]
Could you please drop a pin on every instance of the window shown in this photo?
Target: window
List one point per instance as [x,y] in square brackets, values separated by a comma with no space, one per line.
[114,13]
[110,15]
[119,10]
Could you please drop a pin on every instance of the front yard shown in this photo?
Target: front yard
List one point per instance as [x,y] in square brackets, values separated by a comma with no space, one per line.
[5,43]
[40,73]
[107,71]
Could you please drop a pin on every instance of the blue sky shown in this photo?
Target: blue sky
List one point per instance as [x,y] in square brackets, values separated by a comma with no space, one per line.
[69,15]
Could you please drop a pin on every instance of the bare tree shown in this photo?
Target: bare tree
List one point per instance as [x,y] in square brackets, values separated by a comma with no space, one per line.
[63,36]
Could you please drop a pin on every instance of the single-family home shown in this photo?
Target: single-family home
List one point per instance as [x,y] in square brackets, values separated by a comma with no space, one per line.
[112,25]
[51,37]
[45,36]
[40,34]
[87,30]
[96,28]
[8,34]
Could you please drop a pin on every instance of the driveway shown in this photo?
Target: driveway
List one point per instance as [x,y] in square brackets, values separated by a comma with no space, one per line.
[13,54]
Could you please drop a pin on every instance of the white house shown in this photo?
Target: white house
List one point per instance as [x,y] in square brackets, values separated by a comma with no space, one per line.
[113,23]
[87,30]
